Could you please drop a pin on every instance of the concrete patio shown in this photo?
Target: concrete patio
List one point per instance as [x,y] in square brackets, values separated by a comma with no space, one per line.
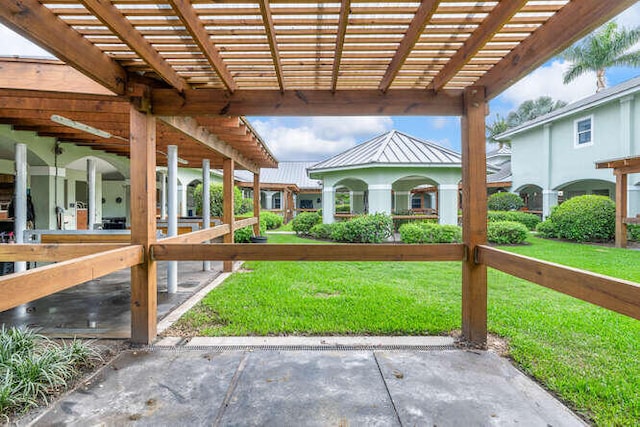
[308,382]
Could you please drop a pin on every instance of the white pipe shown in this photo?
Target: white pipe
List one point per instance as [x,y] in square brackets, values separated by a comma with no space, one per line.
[206,207]
[163,195]
[20,204]
[172,219]
[91,185]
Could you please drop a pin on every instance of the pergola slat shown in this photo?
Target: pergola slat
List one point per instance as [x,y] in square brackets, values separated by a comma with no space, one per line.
[342,30]
[267,21]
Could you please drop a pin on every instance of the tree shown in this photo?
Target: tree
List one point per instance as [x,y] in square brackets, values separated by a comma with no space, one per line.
[494,129]
[608,47]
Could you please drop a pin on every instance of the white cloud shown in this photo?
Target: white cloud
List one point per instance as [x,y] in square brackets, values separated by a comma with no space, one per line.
[15,45]
[318,138]
[547,81]
[439,122]
[630,17]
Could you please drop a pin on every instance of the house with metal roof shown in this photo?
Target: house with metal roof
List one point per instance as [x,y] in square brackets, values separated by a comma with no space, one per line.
[554,156]
[381,173]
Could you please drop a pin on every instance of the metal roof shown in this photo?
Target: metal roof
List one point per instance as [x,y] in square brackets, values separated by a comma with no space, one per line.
[391,148]
[502,175]
[285,173]
[607,95]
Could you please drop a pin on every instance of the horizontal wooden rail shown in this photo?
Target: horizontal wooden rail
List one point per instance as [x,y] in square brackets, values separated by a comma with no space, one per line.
[85,238]
[21,288]
[631,220]
[614,294]
[198,236]
[304,252]
[53,252]
[245,222]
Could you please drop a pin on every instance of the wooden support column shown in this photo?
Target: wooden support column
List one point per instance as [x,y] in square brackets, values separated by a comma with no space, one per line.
[621,209]
[256,203]
[474,215]
[143,226]
[227,205]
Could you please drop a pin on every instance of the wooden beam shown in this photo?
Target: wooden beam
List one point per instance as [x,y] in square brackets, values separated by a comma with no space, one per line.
[573,21]
[59,102]
[422,16]
[53,252]
[256,202]
[21,288]
[194,25]
[500,15]
[46,75]
[343,20]
[621,210]
[310,252]
[144,304]
[246,222]
[614,294]
[269,28]
[34,21]
[110,16]
[198,236]
[190,128]
[85,238]
[474,215]
[211,102]
[228,204]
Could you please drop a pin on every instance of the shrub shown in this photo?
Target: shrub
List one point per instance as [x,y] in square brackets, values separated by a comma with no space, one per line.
[547,229]
[364,229]
[528,219]
[504,202]
[321,231]
[428,232]
[507,232]
[271,220]
[634,232]
[303,222]
[585,219]
[343,209]
[246,206]
[215,193]
[244,234]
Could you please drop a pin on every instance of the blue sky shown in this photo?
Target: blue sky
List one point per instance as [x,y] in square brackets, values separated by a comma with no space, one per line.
[317,138]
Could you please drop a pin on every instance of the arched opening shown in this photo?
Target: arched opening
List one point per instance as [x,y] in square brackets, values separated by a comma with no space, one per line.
[191,203]
[414,194]
[351,197]
[586,186]
[532,197]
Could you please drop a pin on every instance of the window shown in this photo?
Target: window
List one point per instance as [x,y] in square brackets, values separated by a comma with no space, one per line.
[416,202]
[583,132]
[276,201]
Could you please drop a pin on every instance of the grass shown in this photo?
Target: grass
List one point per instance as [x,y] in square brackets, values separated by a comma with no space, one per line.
[285,227]
[587,355]
[33,368]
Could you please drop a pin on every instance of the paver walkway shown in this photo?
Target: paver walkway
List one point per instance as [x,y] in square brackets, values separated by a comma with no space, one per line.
[321,386]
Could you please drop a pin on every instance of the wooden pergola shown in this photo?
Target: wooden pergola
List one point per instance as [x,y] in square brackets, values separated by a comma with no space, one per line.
[622,168]
[168,59]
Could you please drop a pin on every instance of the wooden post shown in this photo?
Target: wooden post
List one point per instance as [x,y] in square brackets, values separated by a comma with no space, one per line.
[474,215]
[227,206]
[256,203]
[144,303]
[621,209]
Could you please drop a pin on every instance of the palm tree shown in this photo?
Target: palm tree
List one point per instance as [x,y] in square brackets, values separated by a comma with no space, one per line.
[498,126]
[533,108]
[608,47]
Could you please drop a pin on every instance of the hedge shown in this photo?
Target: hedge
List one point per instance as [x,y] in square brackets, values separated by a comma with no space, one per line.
[215,203]
[588,218]
[528,219]
[504,202]
[321,231]
[363,229]
[507,232]
[271,220]
[428,232]
[303,222]
[244,234]
[634,232]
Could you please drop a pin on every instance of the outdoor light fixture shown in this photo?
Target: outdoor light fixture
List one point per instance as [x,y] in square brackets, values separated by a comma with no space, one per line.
[84,127]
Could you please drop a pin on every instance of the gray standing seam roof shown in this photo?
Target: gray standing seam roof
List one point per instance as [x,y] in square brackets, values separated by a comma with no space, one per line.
[285,173]
[393,148]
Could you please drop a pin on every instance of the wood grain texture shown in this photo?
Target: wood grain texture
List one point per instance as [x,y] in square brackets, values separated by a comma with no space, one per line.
[256,203]
[621,210]
[53,252]
[198,236]
[20,288]
[85,238]
[228,216]
[614,294]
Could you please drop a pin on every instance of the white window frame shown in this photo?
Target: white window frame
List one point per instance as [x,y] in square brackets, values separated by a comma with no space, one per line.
[576,143]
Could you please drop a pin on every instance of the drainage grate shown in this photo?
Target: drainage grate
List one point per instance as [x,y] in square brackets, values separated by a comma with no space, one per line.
[222,348]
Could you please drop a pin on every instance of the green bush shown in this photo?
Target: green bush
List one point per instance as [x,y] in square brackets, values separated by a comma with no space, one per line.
[215,194]
[321,231]
[303,222]
[271,220]
[585,219]
[343,209]
[504,202]
[528,219]
[364,229]
[633,230]
[244,234]
[507,232]
[428,232]
[547,229]
[246,206]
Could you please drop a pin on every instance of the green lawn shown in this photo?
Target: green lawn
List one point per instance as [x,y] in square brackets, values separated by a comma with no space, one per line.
[587,355]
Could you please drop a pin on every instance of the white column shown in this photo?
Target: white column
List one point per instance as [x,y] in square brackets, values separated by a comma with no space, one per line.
[626,121]
[328,205]
[547,166]
[380,198]
[172,219]
[549,200]
[163,195]
[268,198]
[91,189]
[183,199]
[206,207]
[20,204]
[448,204]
